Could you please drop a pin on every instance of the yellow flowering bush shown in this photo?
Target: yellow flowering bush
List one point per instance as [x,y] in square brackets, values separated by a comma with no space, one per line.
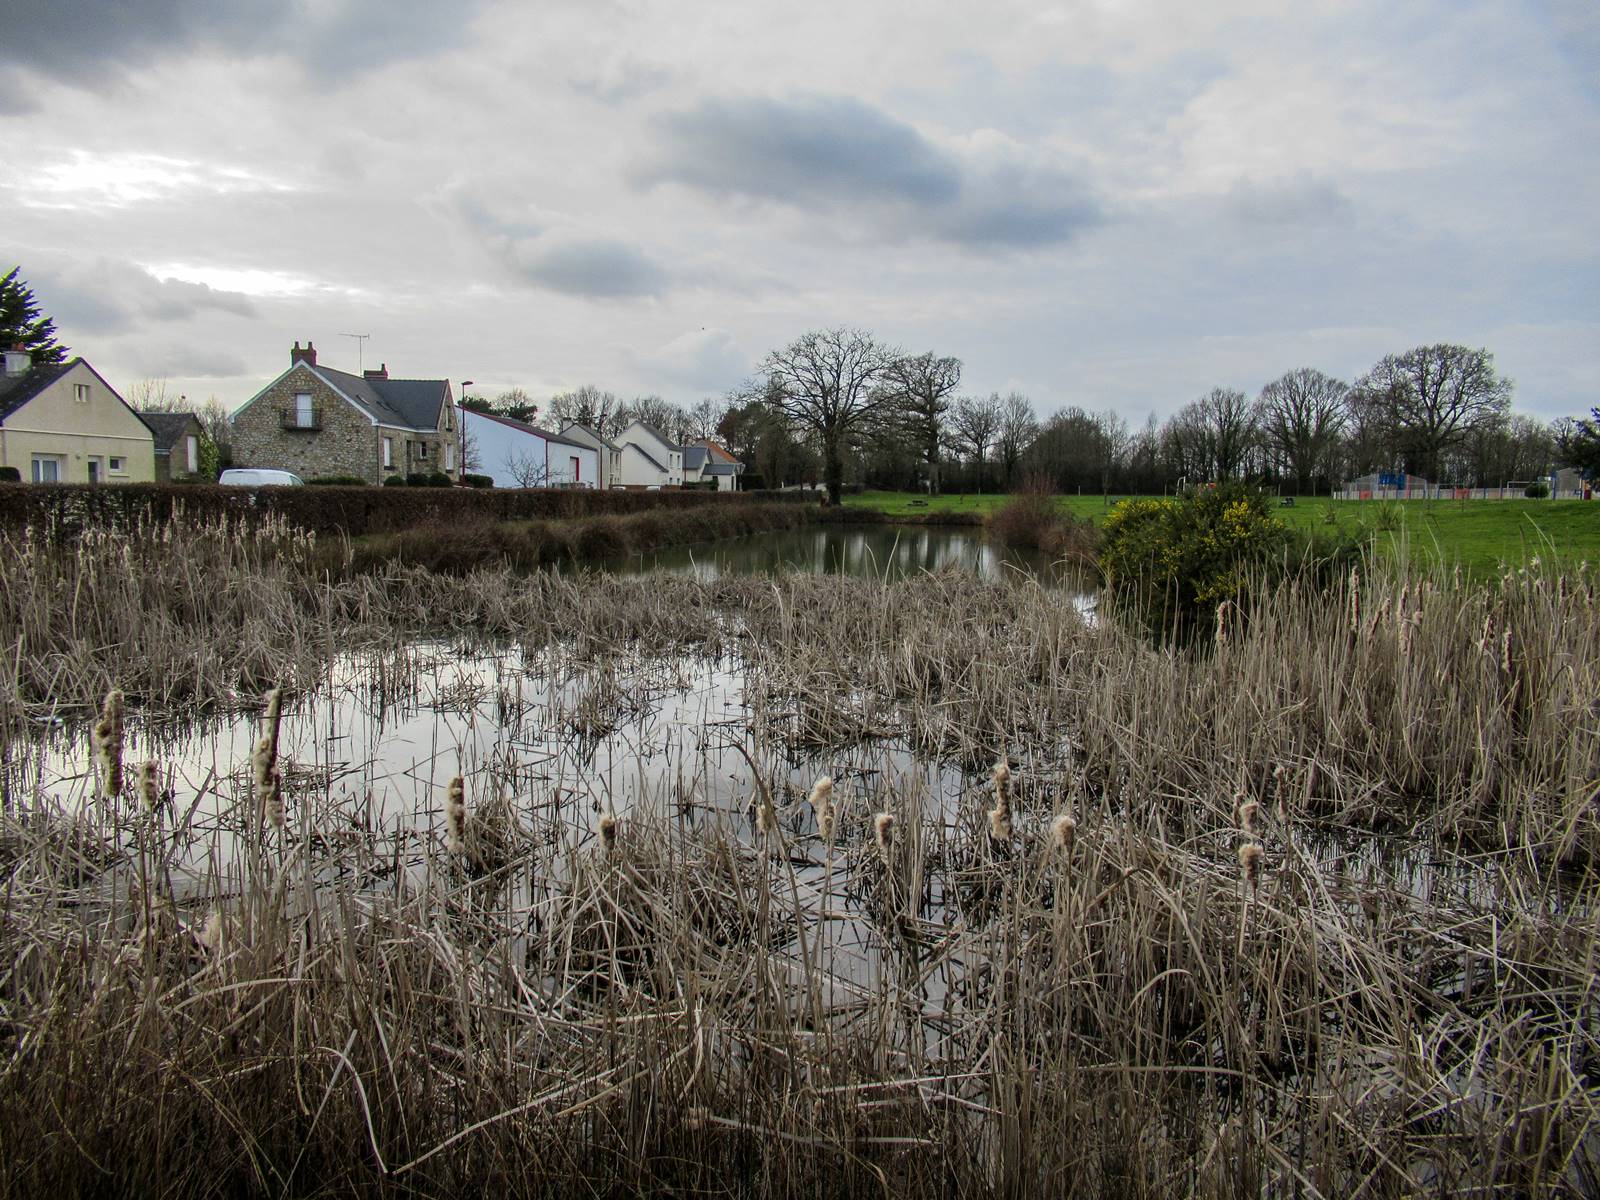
[1175,560]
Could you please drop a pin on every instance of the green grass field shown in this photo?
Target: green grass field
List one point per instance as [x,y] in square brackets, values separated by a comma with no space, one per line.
[1480,535]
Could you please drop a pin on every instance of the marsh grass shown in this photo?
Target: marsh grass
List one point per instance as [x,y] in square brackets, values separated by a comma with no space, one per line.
[658,1001]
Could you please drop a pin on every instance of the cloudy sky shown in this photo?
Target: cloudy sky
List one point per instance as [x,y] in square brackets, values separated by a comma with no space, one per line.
[1105,203]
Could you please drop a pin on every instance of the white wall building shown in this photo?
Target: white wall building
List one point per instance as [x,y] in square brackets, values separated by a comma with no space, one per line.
[608,453]
[648,459]
[515,454]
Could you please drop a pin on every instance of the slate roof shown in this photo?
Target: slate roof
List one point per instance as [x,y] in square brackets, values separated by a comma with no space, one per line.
[606,442]
[17,390]
[410,403]
[722,468]
[694,457]
[168,427]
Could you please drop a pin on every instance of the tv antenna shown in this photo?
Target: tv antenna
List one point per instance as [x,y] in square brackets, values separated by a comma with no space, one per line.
[361,347]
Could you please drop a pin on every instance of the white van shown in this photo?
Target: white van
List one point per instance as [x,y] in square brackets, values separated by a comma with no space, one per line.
[259,477]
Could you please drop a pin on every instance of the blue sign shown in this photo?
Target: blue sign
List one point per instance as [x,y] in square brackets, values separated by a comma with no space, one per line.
[1392,479]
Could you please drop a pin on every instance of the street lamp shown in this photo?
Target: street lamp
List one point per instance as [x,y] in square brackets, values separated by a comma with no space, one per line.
[461,432]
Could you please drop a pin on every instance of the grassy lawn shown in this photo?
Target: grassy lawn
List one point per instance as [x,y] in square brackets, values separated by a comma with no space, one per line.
[1478,534]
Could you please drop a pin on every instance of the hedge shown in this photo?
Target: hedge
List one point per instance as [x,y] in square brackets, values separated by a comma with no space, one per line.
[352,510]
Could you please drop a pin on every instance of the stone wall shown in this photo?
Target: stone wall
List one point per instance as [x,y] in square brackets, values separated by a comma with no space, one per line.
[345,444]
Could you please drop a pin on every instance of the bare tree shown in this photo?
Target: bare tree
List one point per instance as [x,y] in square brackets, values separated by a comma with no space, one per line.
[1431,397]
[824,383]
[923,385]
[1222,424]
[702,420]
[975,421]
[661,415]
[529,472]
[587,406]
[1301,415]
[1018,428]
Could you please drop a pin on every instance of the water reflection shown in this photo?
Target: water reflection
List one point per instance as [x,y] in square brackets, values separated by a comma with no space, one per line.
[885,552]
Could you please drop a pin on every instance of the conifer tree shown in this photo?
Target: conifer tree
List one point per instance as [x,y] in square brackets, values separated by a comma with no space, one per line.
[21,322]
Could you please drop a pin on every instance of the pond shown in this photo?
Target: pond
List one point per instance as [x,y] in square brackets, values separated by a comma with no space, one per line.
[887,552]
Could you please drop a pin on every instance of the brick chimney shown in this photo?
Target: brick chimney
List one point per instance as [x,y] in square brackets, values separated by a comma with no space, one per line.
[307,356]
[18,361]
[381,373]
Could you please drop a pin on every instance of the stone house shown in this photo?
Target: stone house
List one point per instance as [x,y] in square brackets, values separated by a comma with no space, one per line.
[63,423]
[179,437]
[316,421]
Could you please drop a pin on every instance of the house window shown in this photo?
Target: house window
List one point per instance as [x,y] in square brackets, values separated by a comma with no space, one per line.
[117,465]
[422,450]
[80,393]
[191,445]
[388,452]
[305,416]
[46,468]
[449,456]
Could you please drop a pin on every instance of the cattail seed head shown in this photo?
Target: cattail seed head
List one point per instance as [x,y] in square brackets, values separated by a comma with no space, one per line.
[766,818]
[1251,855]
[1000,823]
[1250,818]
[1222,622]
[822,805]
[272,798]
[1063,834]
[455,815]
[150,784]
[106,737]
[608,833]
[883,831]
[210,935]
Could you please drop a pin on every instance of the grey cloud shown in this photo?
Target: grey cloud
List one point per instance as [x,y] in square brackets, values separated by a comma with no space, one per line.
[833,153]
[108,297]
[581,265]
[82,42]
[186,361]
[563,259]
[622,79]
[1300,199]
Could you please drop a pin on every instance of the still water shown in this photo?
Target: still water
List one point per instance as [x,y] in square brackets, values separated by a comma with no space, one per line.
[886,552]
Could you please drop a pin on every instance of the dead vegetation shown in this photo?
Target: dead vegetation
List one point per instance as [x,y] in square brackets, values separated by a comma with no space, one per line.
[1308,913]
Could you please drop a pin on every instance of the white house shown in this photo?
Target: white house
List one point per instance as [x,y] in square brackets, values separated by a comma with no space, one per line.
[648,459]
[705,461]
[608,453]
[515,454]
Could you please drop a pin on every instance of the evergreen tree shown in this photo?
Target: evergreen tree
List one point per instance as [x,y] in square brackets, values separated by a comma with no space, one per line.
[21,323]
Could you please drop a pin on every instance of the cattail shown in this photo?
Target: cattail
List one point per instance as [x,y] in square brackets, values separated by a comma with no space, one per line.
[455,815]
[150,784]
[1222,623]
[821,799]
[766,818]
[1280,792]
[1250,856]
[210,935]
[269,781]
[1063,833]
[608,833]
[1250,818]
[106,737]
[1355,599]
[883,832]
[1000,815]
[1505,651]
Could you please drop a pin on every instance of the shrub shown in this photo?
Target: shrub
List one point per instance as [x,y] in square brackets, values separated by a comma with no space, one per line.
[336,481]
[1537,490]
[395,481]
[10,475]
[477,481]
[1174,561]
[438,479]
[1031,520]
[599,537]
